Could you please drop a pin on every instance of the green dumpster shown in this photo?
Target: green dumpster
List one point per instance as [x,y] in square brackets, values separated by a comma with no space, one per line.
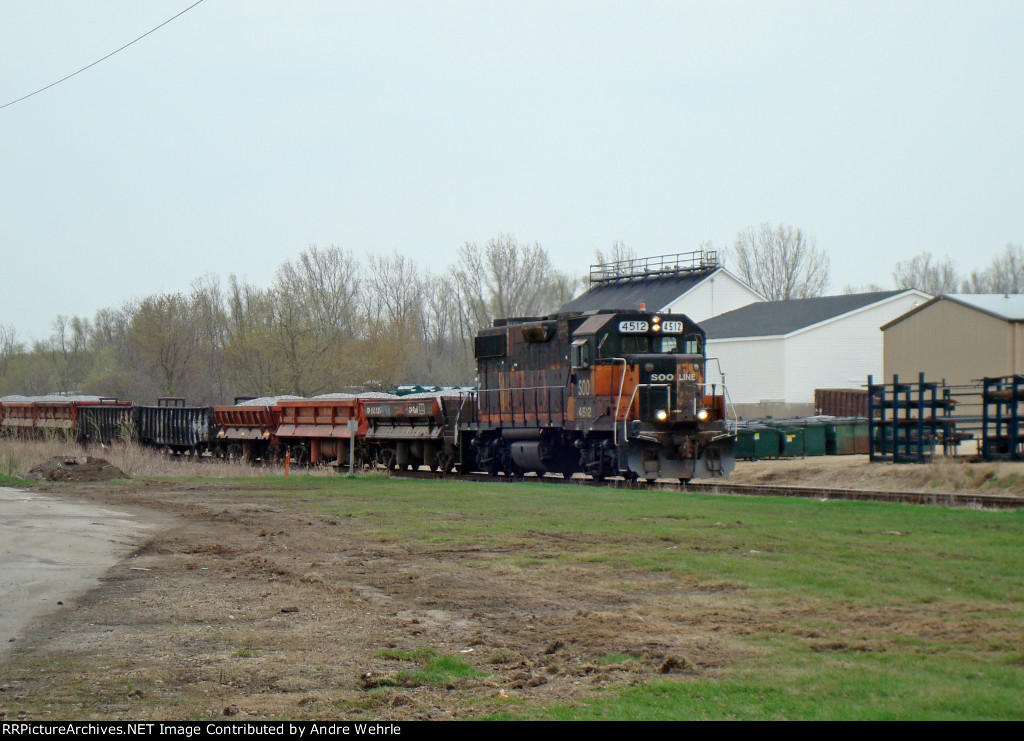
[755,443]
[744,446]
[815,440]
[791,441]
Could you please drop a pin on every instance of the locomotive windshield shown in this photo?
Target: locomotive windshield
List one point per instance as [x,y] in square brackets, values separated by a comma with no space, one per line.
[664,344]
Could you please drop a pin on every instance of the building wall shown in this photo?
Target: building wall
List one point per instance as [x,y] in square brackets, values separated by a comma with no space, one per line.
[841,353]
[781,373]
[954,342]
[718,293]
[754,368]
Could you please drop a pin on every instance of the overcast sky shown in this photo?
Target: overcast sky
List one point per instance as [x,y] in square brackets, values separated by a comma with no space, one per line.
[246,130]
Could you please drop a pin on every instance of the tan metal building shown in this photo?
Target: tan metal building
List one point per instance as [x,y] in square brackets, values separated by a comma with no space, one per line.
[960,338]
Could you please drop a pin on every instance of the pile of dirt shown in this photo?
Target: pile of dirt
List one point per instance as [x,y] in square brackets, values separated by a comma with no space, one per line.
[63,468]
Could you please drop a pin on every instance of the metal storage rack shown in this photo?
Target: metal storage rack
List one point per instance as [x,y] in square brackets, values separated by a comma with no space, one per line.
[1002,421]
[907,420]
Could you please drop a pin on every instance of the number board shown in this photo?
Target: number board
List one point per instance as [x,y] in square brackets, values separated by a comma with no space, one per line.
[672,327]
[633,327]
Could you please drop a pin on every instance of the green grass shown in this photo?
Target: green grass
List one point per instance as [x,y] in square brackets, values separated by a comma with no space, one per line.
[796,686]
[827,550]
[434,670]
[959,569]
[614,659]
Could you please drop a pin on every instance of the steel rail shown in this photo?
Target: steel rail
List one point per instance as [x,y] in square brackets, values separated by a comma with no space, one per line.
[933,498]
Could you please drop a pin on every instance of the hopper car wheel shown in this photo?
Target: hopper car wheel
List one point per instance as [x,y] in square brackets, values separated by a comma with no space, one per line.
[300,457]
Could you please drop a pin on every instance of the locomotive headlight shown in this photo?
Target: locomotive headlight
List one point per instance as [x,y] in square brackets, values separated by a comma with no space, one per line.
[702,415]
[661,415]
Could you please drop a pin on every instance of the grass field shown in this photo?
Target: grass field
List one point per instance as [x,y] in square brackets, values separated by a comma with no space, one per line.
[852,610]
[620,604]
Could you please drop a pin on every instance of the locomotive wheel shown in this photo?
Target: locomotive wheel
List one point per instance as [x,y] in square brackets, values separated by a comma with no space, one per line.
[445,462]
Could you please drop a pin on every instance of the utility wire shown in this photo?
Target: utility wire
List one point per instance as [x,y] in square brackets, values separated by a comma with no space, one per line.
[25,97]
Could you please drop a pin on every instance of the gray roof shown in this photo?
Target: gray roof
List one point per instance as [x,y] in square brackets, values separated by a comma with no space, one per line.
[1009,307]
[656,293]
[773,318]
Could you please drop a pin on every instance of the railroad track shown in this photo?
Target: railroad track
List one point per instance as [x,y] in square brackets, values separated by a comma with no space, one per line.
[942,499]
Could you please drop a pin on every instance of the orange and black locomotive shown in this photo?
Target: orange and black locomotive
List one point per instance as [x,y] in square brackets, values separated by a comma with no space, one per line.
[606,393]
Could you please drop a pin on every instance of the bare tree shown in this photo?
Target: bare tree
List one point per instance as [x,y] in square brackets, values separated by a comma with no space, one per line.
[926,273]
[780,262]
[505,278]
[326,283]
[392,289]
[868,288]
[67,353]
[8,348]
[1004,275]
[208,309]
[252,366]
[163,335]
[619,252]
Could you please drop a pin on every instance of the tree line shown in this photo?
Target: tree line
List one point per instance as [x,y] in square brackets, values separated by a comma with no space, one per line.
[783,262]
[328,322]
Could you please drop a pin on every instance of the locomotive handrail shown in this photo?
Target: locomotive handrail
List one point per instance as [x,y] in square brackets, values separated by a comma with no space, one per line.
[618,398]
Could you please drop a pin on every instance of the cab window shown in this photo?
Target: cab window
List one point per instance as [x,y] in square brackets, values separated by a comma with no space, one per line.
[633,344]
[667,344]
[580,354]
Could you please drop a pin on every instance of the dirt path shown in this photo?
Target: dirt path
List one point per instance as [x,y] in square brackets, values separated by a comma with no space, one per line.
[52,551]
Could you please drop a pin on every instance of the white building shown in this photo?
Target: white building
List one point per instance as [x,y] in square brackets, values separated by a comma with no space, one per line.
[775,354]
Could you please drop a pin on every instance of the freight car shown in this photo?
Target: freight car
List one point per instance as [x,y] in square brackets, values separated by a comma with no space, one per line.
[415,430]
[606,393]
[248,429]
[176,428]
[89,419]
[321,429]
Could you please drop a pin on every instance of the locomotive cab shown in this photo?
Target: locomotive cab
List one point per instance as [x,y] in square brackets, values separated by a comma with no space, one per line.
[644,375]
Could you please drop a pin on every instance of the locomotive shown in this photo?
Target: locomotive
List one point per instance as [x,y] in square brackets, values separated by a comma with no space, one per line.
[605,393]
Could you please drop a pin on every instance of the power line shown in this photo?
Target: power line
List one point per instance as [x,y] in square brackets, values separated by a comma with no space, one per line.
[24,97]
